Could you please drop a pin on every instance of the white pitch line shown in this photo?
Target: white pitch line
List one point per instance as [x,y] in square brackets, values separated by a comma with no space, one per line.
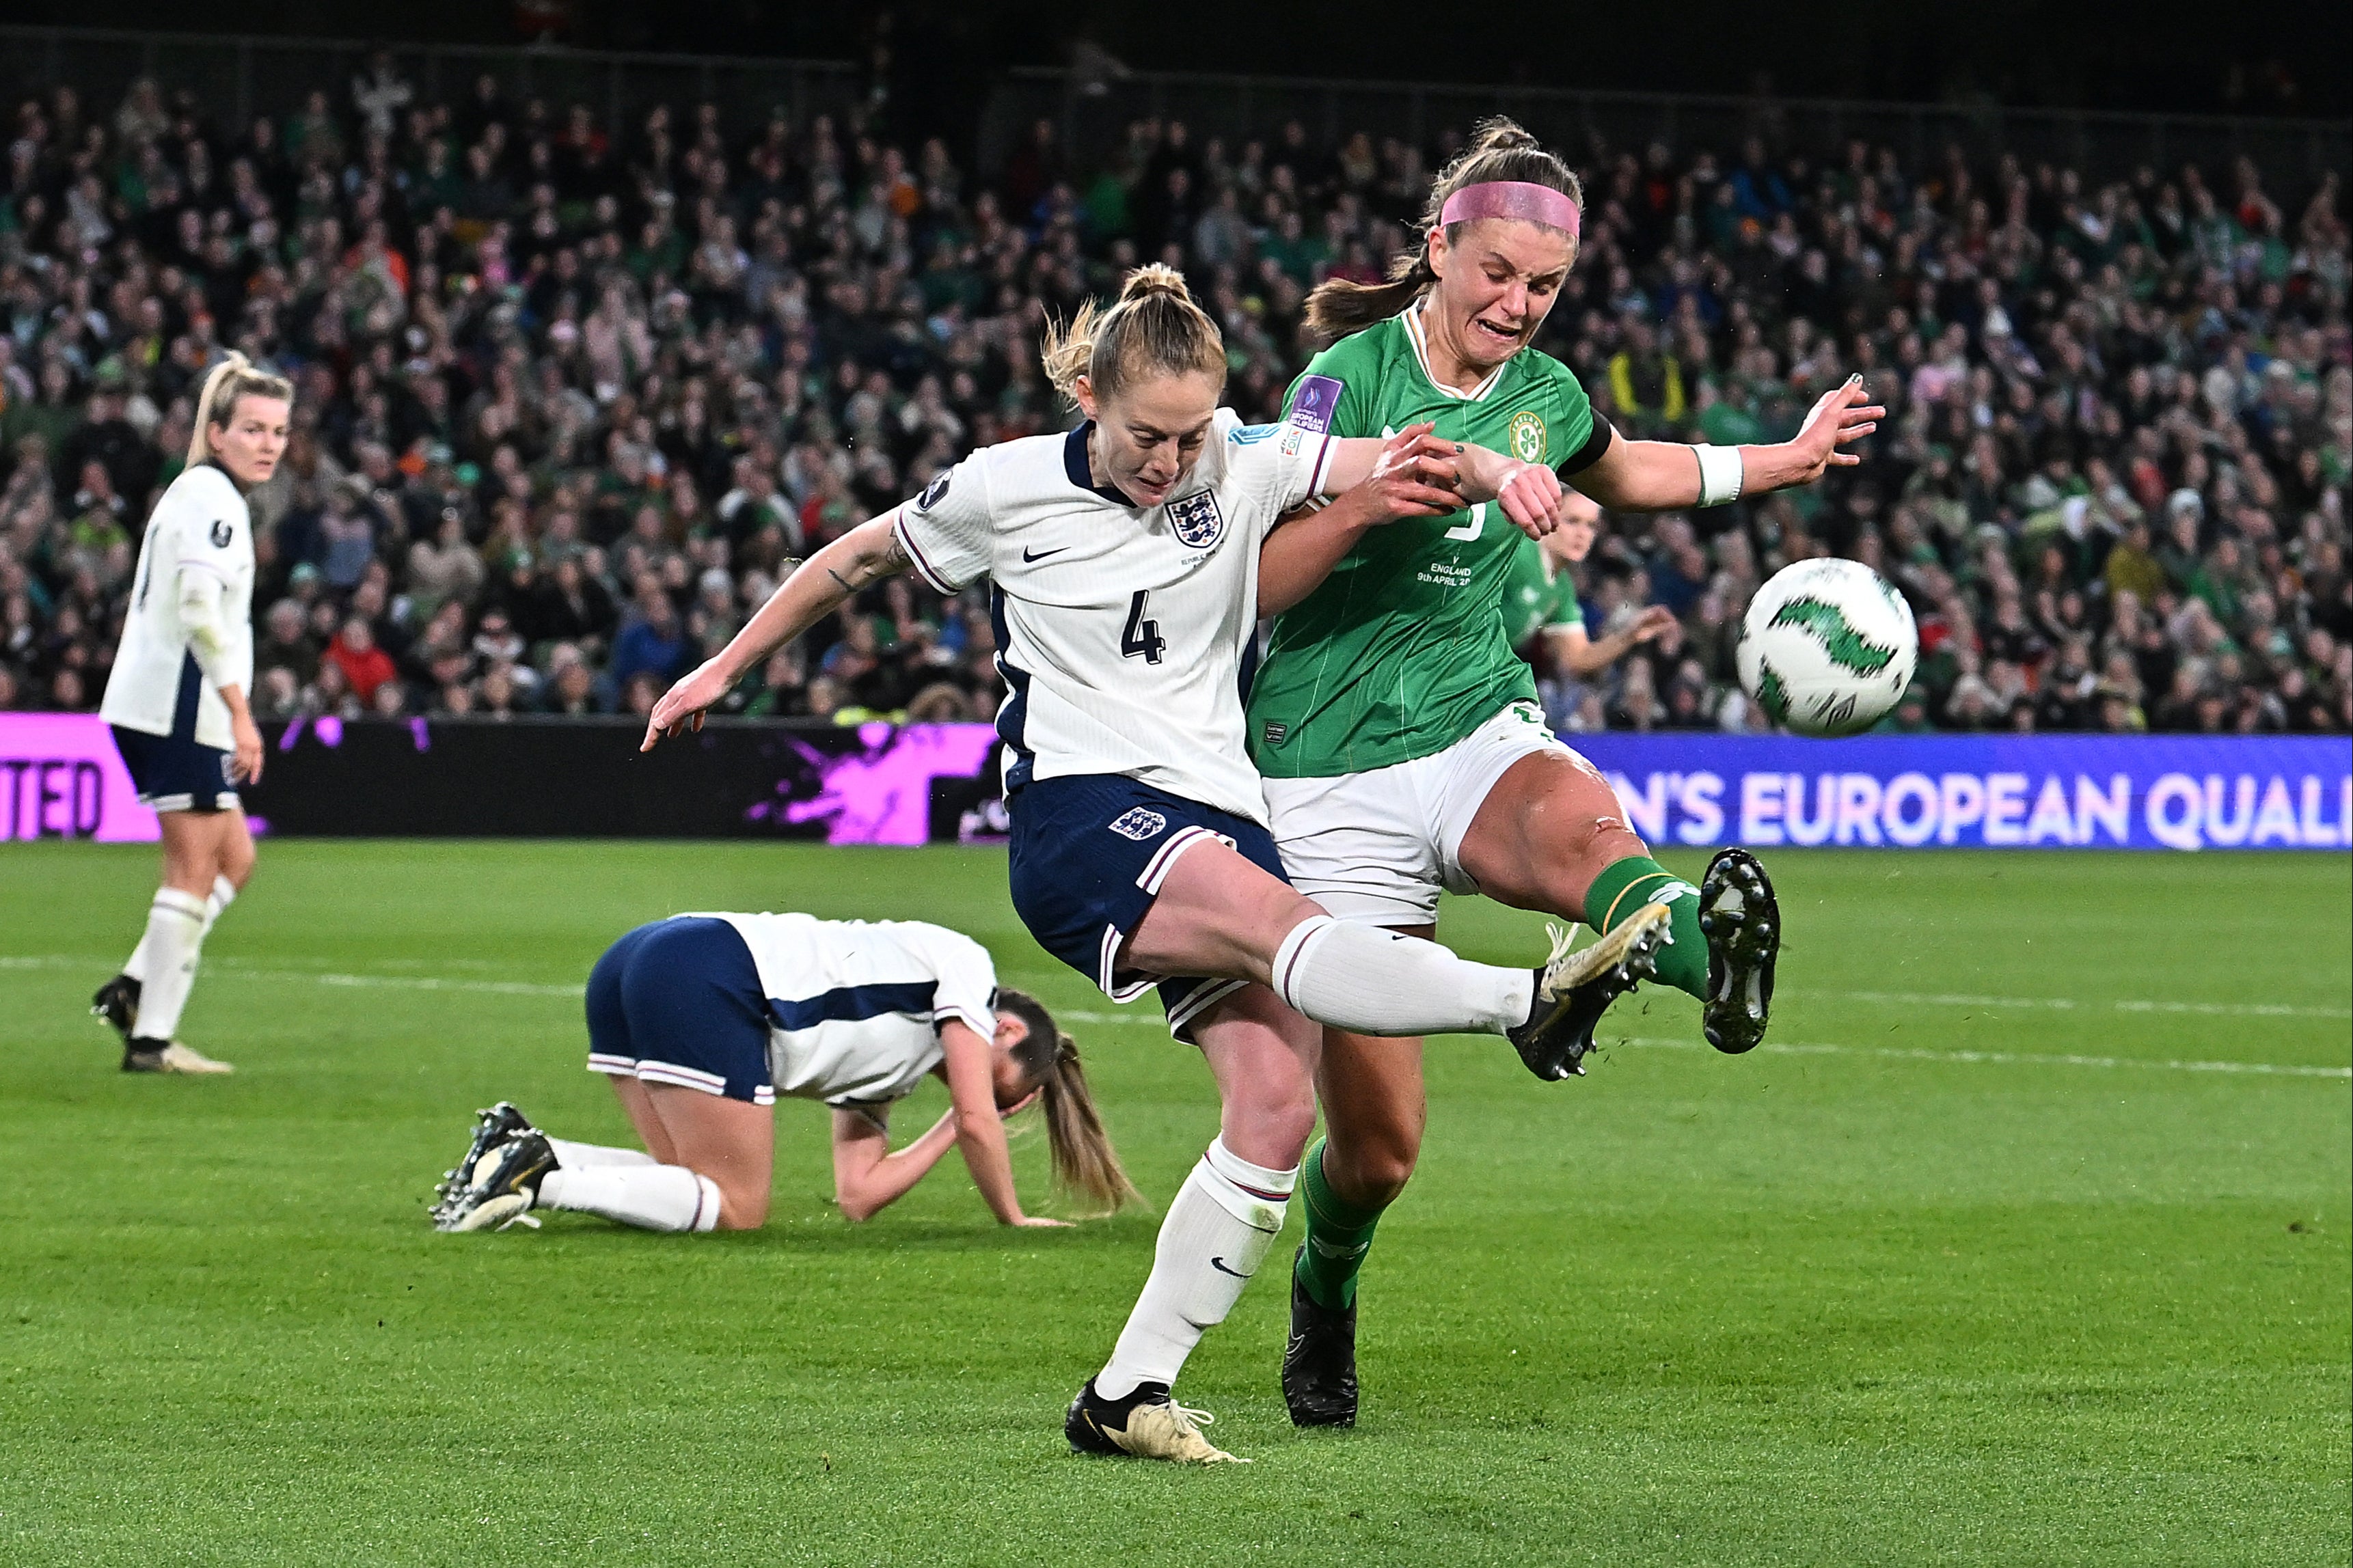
[422,983]
[1899,1053]
[1145,1019]
[2006,1059]
[233,969]
[2064,1004]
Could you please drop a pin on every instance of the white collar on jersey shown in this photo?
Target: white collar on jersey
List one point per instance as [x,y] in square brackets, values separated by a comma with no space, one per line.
[1418,336]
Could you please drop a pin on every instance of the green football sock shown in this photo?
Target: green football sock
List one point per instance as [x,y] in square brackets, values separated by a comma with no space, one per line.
[1339,1234]
[1624,887]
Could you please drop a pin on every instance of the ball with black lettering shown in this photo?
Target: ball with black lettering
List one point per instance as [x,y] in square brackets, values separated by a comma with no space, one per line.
[1827,647]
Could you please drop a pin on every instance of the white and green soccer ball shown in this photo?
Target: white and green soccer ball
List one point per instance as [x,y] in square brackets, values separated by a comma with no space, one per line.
[1827,647]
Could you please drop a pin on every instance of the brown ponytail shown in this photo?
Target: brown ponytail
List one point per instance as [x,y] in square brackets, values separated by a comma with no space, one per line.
[1156,326]
[233,378]
[1085,1165]
[1499,150]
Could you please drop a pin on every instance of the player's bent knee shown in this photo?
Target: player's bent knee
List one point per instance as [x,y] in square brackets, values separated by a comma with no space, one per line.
[1371,1175]
[1273,1125]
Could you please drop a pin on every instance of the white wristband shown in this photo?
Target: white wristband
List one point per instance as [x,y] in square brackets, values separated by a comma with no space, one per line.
[1719,474]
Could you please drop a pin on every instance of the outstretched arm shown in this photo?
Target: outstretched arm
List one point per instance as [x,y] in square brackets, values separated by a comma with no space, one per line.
[1582,654]
[817,587]
[1664,475]
[1529,492]
[869,1175]
[979,1125]
[1412,474]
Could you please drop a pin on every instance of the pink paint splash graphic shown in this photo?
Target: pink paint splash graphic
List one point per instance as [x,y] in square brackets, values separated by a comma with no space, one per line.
[882,793]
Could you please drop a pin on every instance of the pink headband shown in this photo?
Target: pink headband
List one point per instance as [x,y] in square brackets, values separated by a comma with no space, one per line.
[1511,198]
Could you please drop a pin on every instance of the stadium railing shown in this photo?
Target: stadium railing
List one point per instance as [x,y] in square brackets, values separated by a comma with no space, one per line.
[244,75]
[1089,109]
[880,783]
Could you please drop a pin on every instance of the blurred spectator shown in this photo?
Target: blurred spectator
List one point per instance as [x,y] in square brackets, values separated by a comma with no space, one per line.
[573,395]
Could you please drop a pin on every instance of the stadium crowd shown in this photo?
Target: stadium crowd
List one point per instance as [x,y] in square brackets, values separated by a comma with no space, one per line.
[568,402]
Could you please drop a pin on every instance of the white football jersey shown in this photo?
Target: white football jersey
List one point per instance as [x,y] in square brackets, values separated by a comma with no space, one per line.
[201,524]
[1120,629]
[854,1006]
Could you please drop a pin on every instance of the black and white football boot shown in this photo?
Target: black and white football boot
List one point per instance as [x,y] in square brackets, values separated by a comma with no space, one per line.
[1147,1425]
[1574,989]
[116,1005]
[1742,922]
[502,1184]
[492,1127]
[1319,1360]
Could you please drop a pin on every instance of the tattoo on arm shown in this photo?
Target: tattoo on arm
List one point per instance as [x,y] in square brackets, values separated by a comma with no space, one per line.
[866,570]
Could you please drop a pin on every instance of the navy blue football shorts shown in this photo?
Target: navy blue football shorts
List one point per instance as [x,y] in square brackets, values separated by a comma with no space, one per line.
[1088,856]
[680,1002]
[171,773]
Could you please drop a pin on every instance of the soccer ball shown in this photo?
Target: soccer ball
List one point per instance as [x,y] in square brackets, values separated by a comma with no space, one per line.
[1827,647]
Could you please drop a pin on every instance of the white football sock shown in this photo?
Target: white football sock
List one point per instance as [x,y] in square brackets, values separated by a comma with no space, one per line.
[1220,1227]
[1368,981]
[224,895]
[571,1156]
[175,935]
[651,1198]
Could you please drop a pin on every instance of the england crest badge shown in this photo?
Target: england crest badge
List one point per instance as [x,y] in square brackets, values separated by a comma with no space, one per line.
[1196,520]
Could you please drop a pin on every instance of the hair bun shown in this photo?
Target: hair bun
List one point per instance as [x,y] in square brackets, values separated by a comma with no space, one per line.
[1153,277]
[1501,133]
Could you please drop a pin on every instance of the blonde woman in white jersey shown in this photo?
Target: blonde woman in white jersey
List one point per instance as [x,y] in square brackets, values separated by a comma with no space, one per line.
[702,1022]
[176,701]
[1123,561]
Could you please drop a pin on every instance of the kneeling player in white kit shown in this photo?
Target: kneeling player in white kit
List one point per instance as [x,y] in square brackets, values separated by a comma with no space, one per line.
[176,703]
[702,1021]
[1123,559]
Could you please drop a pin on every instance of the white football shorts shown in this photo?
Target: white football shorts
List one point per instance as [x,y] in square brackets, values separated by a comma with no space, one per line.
[1375,847]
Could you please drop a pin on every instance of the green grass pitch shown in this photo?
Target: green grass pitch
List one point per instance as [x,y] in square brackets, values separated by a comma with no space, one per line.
[2023,1241]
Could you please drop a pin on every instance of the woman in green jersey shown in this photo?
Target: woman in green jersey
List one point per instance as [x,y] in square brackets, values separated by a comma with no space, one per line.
[1399,738]
[1539,596]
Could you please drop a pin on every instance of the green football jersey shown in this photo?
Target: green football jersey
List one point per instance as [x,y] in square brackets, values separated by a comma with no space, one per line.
[1536,594]
[1403,650]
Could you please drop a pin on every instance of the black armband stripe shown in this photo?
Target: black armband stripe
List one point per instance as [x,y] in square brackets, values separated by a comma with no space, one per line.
[1596,442]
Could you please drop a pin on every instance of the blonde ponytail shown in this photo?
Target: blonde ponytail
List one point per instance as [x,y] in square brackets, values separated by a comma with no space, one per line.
[1086,1167]
[1154,327]
[233,378]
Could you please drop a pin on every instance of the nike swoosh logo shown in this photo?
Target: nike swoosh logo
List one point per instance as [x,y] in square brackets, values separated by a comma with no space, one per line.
[1028,555]
[1219,1265]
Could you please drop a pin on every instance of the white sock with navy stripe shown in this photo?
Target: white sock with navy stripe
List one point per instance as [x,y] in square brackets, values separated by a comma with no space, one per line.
[1220,1227]
[571,1156]
[224,895]
[1370,981]
[649,1196]
[175,936]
